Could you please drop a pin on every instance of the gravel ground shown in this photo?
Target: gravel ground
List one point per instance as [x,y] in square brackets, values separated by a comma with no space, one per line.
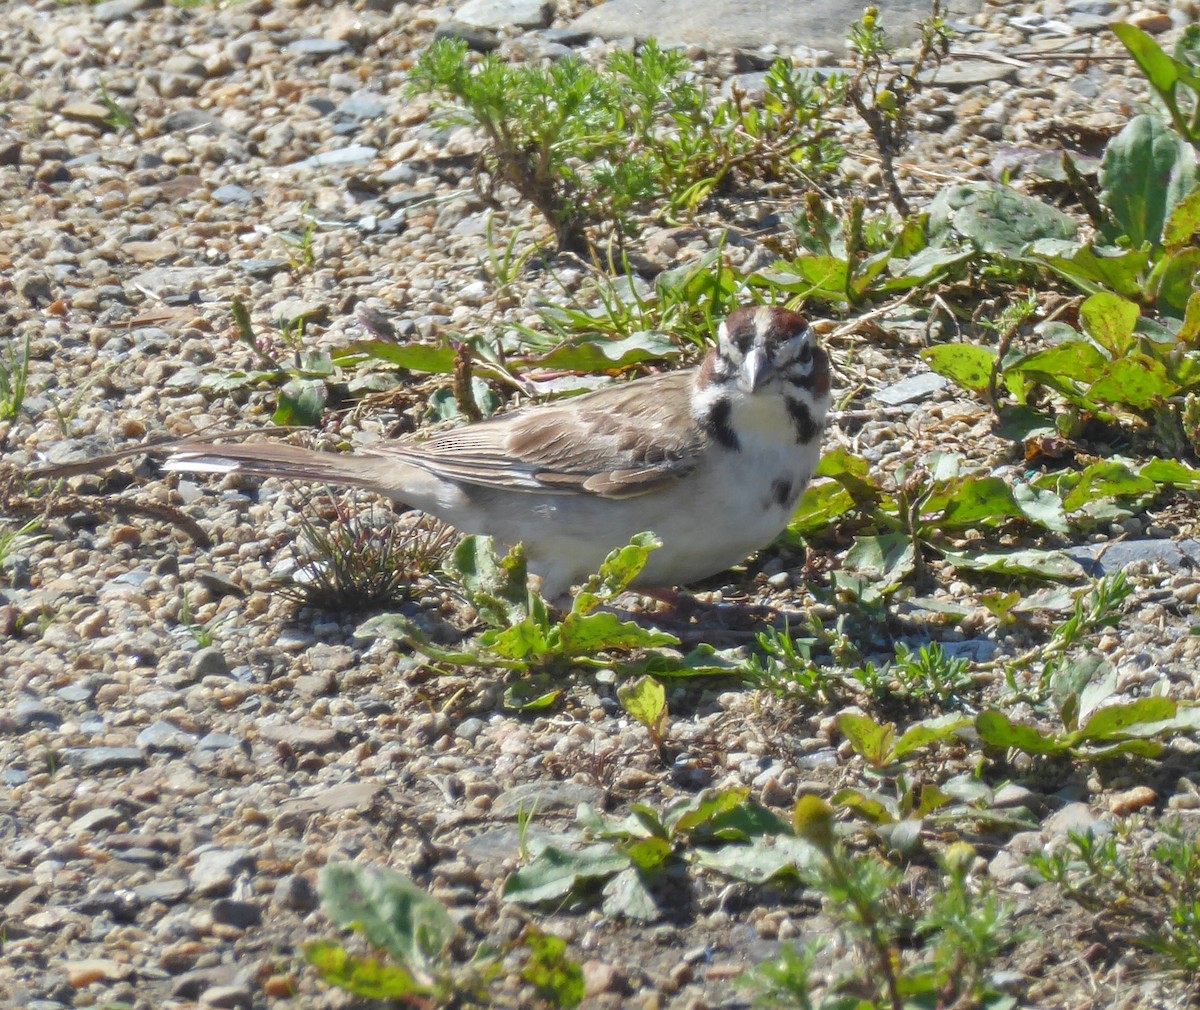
[166,801]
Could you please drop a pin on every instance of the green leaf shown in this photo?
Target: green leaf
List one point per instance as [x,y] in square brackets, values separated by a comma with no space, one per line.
[1109,320]
[1175,281]
[627,894]
[887,559]
[1147,171]
[389,910]
[1109,479]
[821,504]
[646,700]
[702,661]
[1170,471]
[972,501]
[969,365]
[602,355]
[871,807]
[995,729]
[301,402]
[871,741]
[1093,269]
[364,977]
[1184,222]
[995,219]
[1042,564]
[759,861]
[1137,381]
[529,695]
[1116,721]
[556,873]
[617,571]
[414,357]
[647,853]
[929,731]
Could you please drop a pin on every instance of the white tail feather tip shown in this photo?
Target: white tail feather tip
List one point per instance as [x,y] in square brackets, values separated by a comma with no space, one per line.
[181,464]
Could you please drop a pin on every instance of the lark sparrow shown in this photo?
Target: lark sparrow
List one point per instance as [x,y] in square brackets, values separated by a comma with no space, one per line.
[713,459]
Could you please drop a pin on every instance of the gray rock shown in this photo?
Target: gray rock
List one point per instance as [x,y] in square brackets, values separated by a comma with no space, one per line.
[216,869]
[167,891]
[1076,817]
[912,389]
[209,662]
[300,739]
[479,40]
[497,14]
[226,997]
[749,23]
[1106,559]
[162,736]
[295,892]
[231,193]
[319,48]
[343,157]
[958,75]
[191,984]
[217,741]
[240,914]
[76,694]
[469,729]
[29,713]
[362,106]
[98,759]
[117,10]
[100,819]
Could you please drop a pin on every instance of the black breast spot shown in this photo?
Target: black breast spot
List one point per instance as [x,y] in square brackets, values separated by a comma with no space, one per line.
[718,427]
[806,428]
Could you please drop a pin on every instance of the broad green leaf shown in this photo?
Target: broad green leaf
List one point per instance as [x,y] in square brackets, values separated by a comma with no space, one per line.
[1115,721]
[617,571]
[1175,281]
[444,405]
[887,559]
[995,219]
[996,730]
[929,731]
[1041,506]
[1109,479]
[606,355]
[301,402]
[1043,564]
[702,661]
[520,641]
[627,894]
[1137,381]
[1170,471]
[973,501]
[1137,748]
[1093,268]
[586,635]
[556,873]
[646,853]
[1147,171]
[364,977]
[1109,320]
[870,740]
[969,365]
[1078,360]
[414,357]
[870,806]
[687,815]
[821,504]
[930,263]
[759,861]
[1184,222]
[389,910]
[646,700]
[814,276]
[528,695]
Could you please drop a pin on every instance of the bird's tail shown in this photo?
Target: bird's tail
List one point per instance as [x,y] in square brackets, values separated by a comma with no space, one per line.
[291,462]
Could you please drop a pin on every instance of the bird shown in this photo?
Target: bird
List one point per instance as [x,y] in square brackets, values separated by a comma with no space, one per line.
[712,459]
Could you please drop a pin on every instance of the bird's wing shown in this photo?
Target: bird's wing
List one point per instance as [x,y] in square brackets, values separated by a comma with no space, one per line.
[617,442]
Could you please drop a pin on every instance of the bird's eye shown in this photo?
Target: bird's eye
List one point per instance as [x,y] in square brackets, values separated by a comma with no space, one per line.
[806,353]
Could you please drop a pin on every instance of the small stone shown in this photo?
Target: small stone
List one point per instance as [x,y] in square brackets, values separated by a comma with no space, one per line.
[81,974]
[478,40]
[300,739]
[469,729]
[912,389]
[295,892]
[28,714]
[1075,817]
[209,662]
[231,193]
[87,112]
[319,48]
[362,106]
[217,741]
[240,914]
[98,759]
[1151,22]
[1124,804]
[100,819]
[216,869]
[599,977]
[116,10]
[167,891]
[344,157]
[163,737]
[497,14]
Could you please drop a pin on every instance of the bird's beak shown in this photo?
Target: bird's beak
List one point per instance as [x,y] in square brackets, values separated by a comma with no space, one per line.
[756,369]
